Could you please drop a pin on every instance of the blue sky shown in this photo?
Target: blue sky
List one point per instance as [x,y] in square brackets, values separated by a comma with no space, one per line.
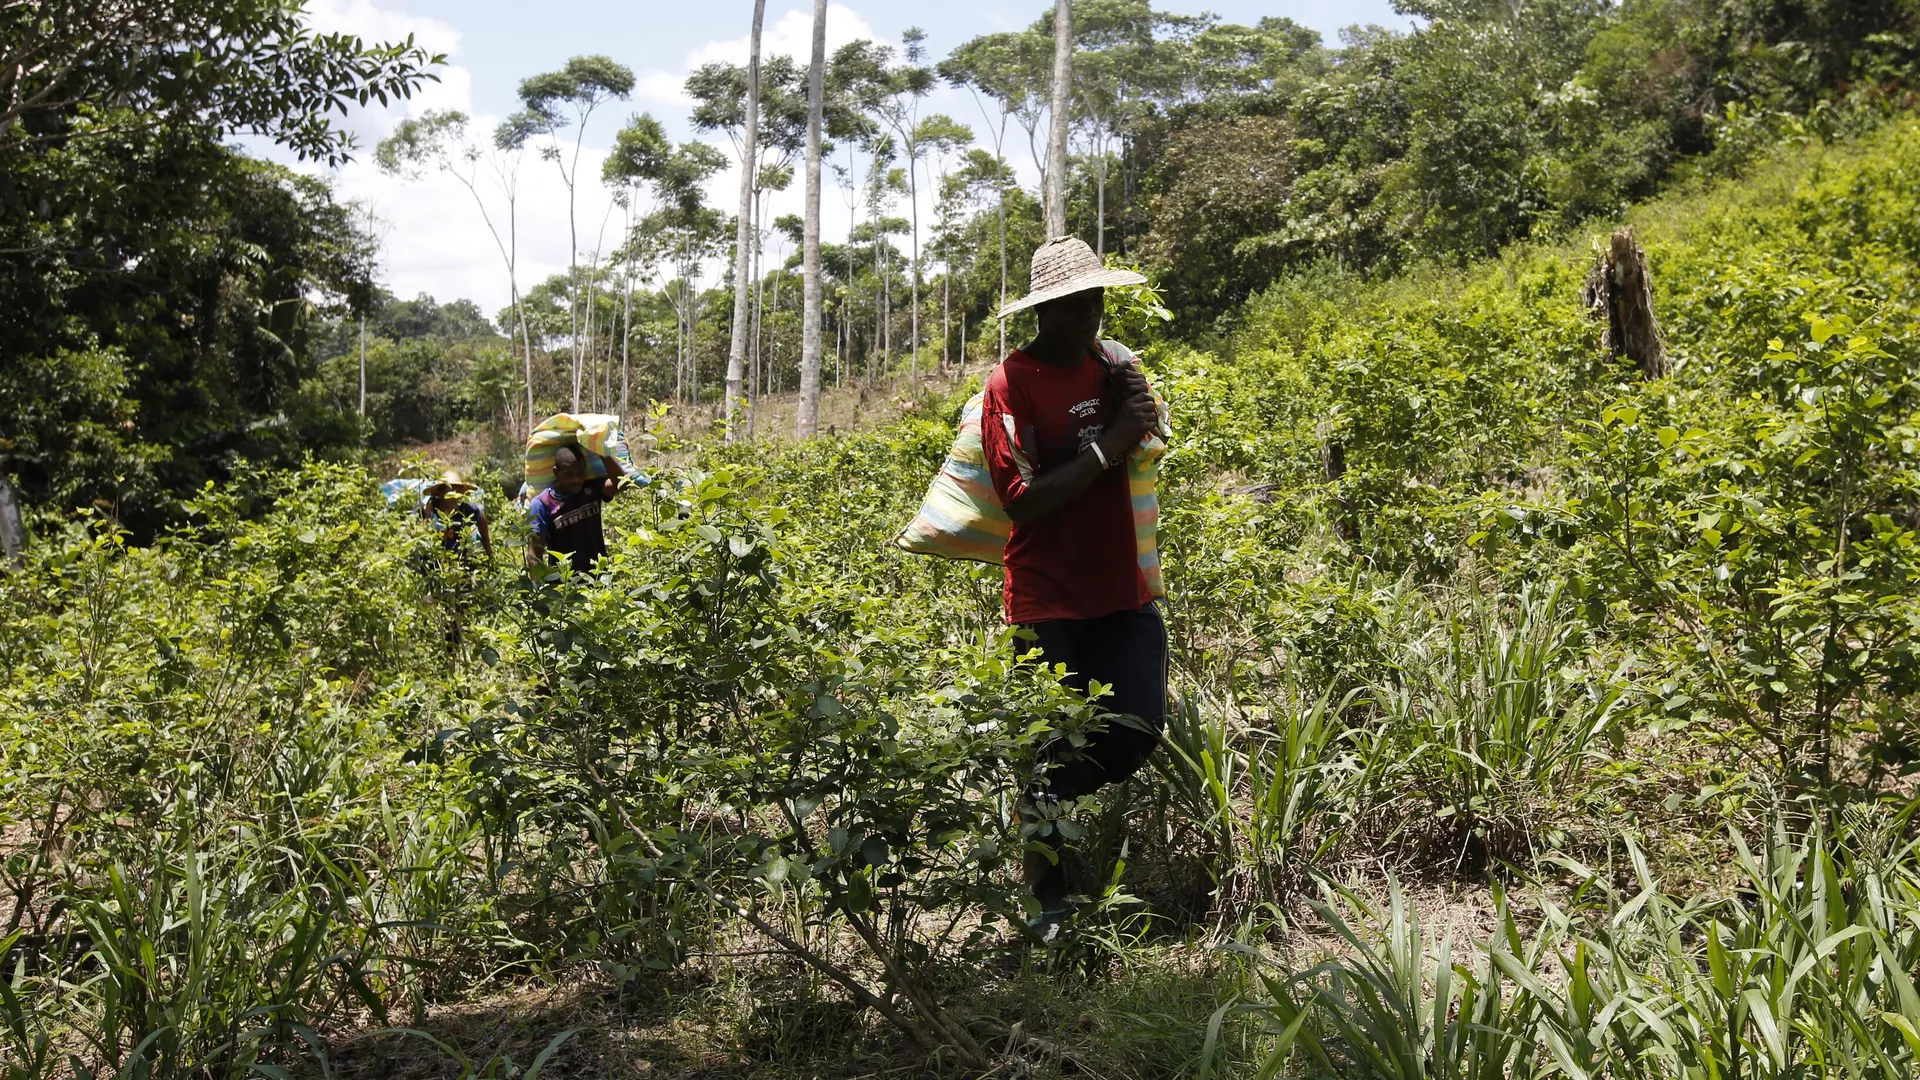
[434,237]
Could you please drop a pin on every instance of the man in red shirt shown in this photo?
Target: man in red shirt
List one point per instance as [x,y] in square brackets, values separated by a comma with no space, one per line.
[1056,426]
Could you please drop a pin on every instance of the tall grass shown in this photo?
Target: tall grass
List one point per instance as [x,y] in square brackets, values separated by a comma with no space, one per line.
[1490,715]
[1269,804]
[1397,1005]
[1806,969]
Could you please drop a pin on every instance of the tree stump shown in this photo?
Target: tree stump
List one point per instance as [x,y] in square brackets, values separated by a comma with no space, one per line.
[1333,464]
[1619,294]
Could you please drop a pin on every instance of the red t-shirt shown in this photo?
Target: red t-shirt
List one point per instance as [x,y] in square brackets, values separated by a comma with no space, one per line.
[1080,562]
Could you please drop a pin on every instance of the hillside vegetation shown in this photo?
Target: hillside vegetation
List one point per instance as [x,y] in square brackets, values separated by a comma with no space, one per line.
[171,306]
[1565,730]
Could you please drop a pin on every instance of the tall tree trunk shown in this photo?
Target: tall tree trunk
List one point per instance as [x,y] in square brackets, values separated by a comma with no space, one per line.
[772,335]
[1100,213]
[363,346]
[807,415]
[1001,180]
[509,254]
[13,533]
[759,311]
[573,276]
[626,314]
[742,251]
[526,347]
[680,339]
[853,222]
[1057,133]
[513,285]
[913,282]
[582,371]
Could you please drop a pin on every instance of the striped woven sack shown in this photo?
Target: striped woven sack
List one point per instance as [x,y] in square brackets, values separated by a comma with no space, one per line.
[961,516]
[1143,488]
[599,433]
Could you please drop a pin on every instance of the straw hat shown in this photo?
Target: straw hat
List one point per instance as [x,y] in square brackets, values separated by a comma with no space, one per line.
[451,480]
[1063,266]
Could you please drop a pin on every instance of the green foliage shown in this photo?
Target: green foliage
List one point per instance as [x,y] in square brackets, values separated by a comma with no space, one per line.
[1454,594]
[222,718]
[1219,180]
[432,371]
[1390,1011]
[583,83]
[1489,715]
[1755,504]
[222,68]
[255,717]
[1270,804]
[1263,151]
[853,790]
[138,239]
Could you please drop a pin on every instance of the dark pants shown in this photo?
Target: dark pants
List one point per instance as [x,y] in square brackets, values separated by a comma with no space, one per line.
[1126,651]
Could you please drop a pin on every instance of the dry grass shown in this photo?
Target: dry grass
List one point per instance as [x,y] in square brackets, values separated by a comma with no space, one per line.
[852,407]
[701,1021]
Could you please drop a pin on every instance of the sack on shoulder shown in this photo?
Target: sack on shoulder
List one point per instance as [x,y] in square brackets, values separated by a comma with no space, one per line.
[1143,478]
[961,516]
[597,433]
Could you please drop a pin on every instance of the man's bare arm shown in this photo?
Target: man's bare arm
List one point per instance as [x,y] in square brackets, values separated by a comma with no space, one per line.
[611,485]
[1056,487]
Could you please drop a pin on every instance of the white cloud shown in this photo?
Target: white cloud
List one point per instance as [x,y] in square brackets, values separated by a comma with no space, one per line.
[434,236]
[453,91]
[375,23]
[663,88]
[789,35]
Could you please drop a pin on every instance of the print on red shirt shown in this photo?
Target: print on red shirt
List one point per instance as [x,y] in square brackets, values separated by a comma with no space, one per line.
[1080,562]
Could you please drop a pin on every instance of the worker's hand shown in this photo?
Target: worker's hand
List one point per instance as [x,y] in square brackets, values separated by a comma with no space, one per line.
[1128,380]
[1136,417]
